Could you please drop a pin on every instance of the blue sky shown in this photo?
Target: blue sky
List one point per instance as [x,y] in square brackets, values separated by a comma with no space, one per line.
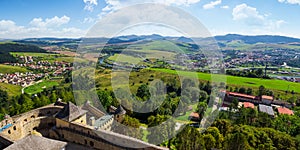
[73,18]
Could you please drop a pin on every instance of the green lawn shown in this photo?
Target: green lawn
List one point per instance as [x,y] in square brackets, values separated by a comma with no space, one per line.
[11,69]
[39,87]
[12,90]
[242,81]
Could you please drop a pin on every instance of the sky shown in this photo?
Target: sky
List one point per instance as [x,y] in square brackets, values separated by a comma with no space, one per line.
[73,18]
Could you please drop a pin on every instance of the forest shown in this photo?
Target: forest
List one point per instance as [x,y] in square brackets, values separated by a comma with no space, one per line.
[6,48]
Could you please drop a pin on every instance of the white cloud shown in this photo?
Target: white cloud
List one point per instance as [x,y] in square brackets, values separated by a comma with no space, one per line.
[116,4]
[90,4]
[88,20]
[39,27]
[212,4]
[290,1]
[50,22]
[225,7]
[7,26]
[252,17]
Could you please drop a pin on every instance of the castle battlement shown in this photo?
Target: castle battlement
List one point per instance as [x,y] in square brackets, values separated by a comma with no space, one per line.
[67,123]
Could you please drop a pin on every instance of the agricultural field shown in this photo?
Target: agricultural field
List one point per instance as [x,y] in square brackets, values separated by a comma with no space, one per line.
[12,90]
[124,58]
[103,80]
[47,56]
[271,84]
[12,69]
[39,87]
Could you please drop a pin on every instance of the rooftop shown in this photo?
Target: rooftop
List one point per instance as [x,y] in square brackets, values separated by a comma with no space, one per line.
[194,115]
[266,109]
[37,142]
[70,112]
[267,97]
[103,120]
[120,110]
[283,110]
[247,105]
[241,95]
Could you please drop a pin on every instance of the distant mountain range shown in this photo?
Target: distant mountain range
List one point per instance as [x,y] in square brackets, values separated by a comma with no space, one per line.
[270,39]
[266,39]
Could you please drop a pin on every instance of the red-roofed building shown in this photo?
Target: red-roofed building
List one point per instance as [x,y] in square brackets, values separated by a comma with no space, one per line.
[194,116]
[230,96]
[266,99]
[285,111]
[248,105]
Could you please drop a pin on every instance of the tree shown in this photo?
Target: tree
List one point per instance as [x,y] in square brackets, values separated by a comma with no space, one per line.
[189,139]
[201,108]
[249,91]
[261,90]
[242,90]
[216,135]
[259,72]
[53,97]
[202,96]
[105,98]
[236,141]
[132,127]
[27,103]
[209,141]
[143,92]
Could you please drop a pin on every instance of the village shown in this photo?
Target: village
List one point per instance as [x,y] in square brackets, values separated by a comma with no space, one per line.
[265,104]
[37,71]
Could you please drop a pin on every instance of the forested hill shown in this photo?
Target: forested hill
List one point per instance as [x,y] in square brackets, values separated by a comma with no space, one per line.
[6,48]
[15,47]
[257,39]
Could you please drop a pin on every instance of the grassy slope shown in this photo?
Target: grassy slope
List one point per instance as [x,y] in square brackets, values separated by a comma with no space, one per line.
[13,90]
[243,81]
[12,69]
[36,88]
[47,56]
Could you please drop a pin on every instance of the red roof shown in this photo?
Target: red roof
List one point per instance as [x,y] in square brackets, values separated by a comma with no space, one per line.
[267,97]
[194,115]
[283,110]
[241,95]
[248,105]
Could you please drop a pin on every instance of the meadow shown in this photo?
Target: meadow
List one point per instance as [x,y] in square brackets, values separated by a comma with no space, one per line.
[103,81]
[46,56]
[39,87]
[12,90]
[12,69]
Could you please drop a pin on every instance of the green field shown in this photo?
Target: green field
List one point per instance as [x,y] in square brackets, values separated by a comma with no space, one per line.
[11,69]
[46,56]
[242,81]
[12,90]
[125,58]
[39,87]
[163,46]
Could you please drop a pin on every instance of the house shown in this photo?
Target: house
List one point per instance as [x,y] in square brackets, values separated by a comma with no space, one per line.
[230,96]
[194,116]
[266,109]
[285,111]
[267,99]
[246,105]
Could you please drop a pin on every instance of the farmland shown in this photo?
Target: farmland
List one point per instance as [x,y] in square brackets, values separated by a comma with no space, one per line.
[243,81]
[47,56]
[12,90]
[11,69]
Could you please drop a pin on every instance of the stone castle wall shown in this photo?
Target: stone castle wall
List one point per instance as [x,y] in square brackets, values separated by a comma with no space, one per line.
[43,121]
